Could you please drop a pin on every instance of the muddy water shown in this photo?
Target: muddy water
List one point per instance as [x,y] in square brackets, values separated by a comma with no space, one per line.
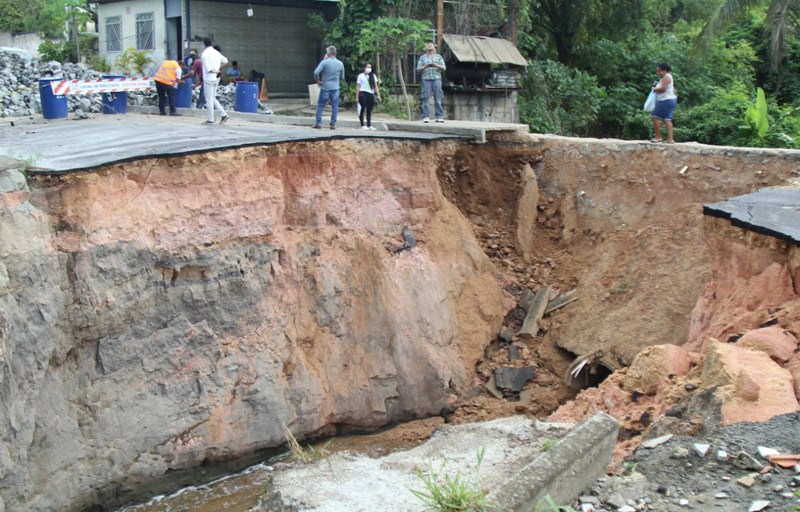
[241,491]
[233,493]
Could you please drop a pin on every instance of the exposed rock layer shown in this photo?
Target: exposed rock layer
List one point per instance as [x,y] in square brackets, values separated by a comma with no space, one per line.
[166,313]
[161,314]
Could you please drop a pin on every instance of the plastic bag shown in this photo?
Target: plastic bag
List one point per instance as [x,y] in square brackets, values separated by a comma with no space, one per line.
[650,102]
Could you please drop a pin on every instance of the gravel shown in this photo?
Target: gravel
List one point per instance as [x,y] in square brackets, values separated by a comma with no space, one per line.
[672,476]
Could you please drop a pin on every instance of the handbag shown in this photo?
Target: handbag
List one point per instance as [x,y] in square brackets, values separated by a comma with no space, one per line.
[650,102]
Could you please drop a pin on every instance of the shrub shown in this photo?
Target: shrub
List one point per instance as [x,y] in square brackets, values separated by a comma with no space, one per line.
[558,99]
[132,61]
[61,52]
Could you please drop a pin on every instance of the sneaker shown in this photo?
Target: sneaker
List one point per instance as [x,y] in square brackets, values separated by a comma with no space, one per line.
[223,120]
[365,127]
[318,126]
[371,127]
[175,114]
[426,120]
[208,122]
[440,120]
[162,114]
[333,127]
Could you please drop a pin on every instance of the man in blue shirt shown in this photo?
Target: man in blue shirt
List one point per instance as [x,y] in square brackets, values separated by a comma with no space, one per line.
[328,74]
[431,65]
[233,71]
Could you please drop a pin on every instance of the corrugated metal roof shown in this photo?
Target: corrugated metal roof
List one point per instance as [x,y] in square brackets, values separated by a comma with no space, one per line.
[484,49]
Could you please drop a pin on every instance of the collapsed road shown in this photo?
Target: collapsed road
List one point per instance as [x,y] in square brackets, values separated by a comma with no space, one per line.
[166,309]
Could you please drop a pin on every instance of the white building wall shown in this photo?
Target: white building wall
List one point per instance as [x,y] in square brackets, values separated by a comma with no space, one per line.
[128,11]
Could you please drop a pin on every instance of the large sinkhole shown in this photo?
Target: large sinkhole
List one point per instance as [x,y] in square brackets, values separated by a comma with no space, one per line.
[201,300]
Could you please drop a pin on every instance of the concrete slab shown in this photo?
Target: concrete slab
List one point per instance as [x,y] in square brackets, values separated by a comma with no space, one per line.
[476,131]
[64,145]
[773,212]
[565,470]
[514,457]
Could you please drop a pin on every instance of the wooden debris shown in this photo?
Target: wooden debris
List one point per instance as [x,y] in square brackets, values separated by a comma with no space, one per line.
[535,313]
[562,301]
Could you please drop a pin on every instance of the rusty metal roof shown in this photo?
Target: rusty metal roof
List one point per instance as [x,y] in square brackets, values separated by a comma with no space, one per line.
[484,49]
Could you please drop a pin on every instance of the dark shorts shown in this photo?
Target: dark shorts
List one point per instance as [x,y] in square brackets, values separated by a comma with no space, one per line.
[664,109]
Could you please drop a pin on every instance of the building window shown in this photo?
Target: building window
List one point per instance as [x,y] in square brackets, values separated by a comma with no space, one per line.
[114,34]
[145,32]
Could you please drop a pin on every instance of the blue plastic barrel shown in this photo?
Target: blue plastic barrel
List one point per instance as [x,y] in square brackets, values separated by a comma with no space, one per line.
[53,107]
[246,99]
[183,97]
[115,102]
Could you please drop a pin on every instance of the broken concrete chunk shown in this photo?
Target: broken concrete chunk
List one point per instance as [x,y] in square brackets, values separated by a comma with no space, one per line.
[652,443]
[683,502]
[721,496]
[679,453]
[626,508]
[701,449]
[588,507]
[722,455]
[746,481]
[513,378]
[767,452]
[616,501]
[758,505]
[492,388]
[530,327]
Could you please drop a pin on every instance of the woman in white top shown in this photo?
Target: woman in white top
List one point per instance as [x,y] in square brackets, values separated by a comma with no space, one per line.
[666,99]
[367,91]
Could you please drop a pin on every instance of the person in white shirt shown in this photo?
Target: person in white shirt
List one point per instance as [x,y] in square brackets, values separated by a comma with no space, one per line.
[366,92]
[213,60]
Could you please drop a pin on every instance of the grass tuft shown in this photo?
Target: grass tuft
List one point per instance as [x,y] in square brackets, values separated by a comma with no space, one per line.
[446,493]
[305,455]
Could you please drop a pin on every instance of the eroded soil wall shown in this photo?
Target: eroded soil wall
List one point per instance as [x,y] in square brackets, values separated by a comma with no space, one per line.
[166,313]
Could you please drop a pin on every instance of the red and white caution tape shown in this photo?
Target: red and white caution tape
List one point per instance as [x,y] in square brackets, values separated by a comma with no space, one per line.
[104,85]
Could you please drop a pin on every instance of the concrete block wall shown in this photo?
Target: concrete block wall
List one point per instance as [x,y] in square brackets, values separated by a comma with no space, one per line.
[276,41]
[497,107]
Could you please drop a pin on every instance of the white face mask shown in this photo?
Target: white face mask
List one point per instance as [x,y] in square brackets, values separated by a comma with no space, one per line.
[367,70]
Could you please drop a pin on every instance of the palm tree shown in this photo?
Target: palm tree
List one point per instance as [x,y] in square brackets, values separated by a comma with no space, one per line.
[780,18]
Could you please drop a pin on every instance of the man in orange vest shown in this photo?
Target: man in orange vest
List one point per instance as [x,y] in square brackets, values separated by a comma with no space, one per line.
[167,79]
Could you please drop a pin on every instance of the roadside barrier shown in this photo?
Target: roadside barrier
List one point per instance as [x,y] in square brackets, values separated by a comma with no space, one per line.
[64,87]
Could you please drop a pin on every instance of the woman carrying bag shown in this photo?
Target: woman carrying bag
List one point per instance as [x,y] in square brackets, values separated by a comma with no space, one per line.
[666,99]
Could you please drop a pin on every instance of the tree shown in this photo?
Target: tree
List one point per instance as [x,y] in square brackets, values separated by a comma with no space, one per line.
[397,36]
[563,20]
[781,17]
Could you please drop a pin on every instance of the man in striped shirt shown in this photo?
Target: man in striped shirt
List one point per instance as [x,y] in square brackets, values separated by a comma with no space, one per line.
[431,65]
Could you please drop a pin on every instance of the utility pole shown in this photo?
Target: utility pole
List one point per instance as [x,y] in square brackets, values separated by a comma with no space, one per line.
[73,31]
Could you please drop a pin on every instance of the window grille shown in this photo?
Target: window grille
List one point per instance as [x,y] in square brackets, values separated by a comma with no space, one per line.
[114,34]
[145,32]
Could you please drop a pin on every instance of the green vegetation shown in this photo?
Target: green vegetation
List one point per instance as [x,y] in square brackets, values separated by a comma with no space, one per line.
[446,493]
[624,287]
[591,63]
[133,62]
[549,444]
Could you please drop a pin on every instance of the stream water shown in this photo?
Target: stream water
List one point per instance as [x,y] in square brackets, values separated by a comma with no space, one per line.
[233,493]
[239,492]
